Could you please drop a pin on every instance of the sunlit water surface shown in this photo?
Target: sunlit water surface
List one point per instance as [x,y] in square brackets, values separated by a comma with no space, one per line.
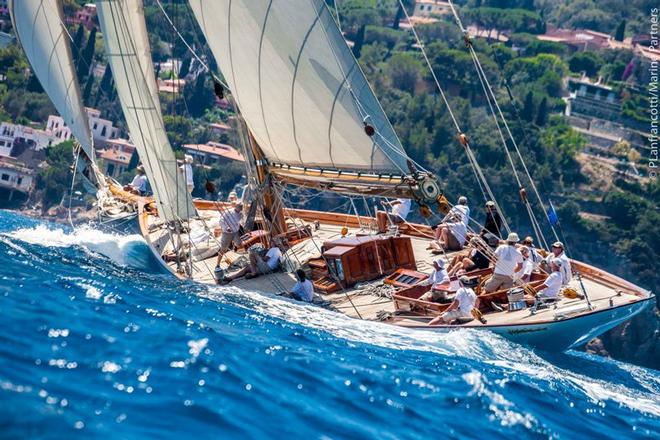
[94,342]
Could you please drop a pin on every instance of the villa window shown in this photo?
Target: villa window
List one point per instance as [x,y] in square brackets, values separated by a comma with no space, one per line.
[5,177]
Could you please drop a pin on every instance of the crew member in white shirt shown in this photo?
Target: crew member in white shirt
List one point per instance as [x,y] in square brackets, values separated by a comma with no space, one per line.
[509,261]
[436,279]
[533,253]
[523,275]
[303,290]
[187,171]
[230,224]
[552,285]
[464,301]
[451,233]
[261,265]
[139,183]
[558,252]
[401,209]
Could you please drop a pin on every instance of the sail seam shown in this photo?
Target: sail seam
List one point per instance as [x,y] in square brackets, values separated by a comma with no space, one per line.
[293,83]
[261,101]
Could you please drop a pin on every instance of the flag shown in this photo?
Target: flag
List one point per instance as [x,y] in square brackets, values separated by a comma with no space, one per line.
[553,218]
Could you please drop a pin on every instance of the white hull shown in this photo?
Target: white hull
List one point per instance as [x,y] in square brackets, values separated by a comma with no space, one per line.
[564,334]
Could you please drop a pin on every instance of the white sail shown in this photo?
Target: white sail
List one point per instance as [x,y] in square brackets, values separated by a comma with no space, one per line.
[39,27]
[127,46]
[297,84]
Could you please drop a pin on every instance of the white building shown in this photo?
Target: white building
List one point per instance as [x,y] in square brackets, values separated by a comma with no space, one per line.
[428,8]
[10,134]
[14,176]
[102,129]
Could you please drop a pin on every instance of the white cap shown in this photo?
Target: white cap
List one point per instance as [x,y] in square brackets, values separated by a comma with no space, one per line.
[513,238]
[188,158]
[462,200]
[440,262]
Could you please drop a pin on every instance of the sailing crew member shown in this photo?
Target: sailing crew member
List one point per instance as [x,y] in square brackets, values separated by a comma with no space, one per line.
[509,261]
[303,290]
[552,285]
[400,210]
[558,252]
[462,305]
[476,260]
[230,224]
[261,265]
[524,274]
[493,222]
[533,253]
[451,233]
[139,183]
[438,278]
[187,171]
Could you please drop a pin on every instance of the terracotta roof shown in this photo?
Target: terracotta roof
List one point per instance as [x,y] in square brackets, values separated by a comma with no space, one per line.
[116,156]
[216,149]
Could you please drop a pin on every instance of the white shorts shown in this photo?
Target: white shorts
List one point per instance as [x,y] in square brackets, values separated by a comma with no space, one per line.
[453,314]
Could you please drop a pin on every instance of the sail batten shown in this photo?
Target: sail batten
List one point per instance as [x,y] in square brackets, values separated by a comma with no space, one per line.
[298,86]
[127,45]
[39,27]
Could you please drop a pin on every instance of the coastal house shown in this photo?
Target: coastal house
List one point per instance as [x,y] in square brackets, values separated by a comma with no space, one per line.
[578,39]
[103,130]
[170,85]
[116,157]
[85,15]
[16,135]
[220,128]
[213,153]
[430,8]
[15,177]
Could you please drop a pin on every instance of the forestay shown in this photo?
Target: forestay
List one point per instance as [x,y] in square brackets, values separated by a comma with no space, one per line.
[298,86]
[127,46]
[39,26]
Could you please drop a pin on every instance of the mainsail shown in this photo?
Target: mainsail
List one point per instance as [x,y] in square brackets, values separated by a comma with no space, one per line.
[298,86]
[39,27]
[127,46]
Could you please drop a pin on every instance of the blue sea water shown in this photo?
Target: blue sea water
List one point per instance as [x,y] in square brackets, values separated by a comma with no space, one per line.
[95,343]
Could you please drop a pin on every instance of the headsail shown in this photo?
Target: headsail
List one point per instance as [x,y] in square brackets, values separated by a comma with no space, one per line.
[298,86]
[39,26]
[127,46]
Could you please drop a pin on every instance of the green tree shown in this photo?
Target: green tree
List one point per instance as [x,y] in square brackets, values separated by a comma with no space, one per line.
[588,62]
[359,41]
[528,107]
[185,67]
[53,181]
[87,92]
[620,32]
[201,96]
[77,44]
[403,70]
[85,63]
[542,114]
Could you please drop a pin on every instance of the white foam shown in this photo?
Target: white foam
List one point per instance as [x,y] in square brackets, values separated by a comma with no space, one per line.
[126,250]
[481,346]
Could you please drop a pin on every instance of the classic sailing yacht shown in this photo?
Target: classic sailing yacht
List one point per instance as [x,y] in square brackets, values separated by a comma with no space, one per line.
[311,120]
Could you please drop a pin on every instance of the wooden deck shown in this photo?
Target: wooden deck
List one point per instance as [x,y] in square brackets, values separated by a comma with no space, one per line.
[603,289]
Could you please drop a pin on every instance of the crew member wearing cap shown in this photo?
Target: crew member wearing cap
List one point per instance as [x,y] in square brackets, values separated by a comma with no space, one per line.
[139,183]
[552,285]
[462,305]
[493,222]
[533,253]
[508,261]
[187,171]
[558,252]
[451,233]
[438,278]
[525,272]
[400,210]
[230,224]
